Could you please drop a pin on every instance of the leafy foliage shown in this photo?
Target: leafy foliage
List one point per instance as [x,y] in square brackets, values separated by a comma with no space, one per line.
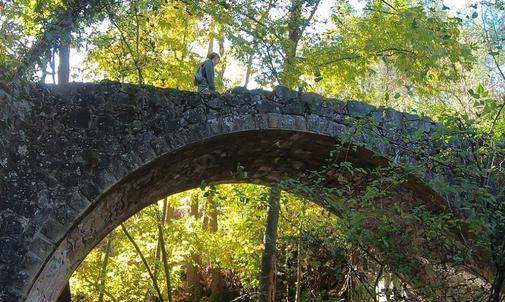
[416,56]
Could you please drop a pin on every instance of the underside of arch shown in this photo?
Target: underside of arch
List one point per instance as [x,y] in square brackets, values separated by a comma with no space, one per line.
[262,156]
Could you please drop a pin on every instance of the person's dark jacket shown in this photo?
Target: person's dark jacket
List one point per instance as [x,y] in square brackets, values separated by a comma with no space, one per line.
[209,76]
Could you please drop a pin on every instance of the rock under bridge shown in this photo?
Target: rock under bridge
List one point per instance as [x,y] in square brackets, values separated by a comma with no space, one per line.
[77,160]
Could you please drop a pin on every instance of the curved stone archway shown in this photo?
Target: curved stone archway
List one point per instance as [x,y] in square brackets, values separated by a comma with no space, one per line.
[85,157]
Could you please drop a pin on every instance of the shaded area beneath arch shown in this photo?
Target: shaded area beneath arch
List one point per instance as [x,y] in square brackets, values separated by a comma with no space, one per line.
[263,157]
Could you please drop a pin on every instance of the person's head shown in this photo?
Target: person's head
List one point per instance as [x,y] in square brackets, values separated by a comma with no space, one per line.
[214,57]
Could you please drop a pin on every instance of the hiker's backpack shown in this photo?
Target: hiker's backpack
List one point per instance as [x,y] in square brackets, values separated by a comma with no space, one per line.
[199,76]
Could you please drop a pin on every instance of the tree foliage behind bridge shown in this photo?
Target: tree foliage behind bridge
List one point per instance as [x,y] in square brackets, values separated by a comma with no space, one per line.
[416,56]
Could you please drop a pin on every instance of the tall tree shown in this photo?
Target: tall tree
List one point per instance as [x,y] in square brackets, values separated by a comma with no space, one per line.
[64,57]
[296,26]
[193,276]
[217,285]
[166,218]
[103,272]
[268,259]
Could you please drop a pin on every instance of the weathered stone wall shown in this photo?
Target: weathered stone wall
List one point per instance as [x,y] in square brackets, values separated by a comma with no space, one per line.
[77,161]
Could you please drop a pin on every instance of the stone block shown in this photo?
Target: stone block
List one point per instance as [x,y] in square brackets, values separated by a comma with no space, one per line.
[214,127]
[261,121]
[359,109]
[40,247]
[286,122]
[337,105]
[313,100]
[284,93]
[194,116]
[53,230]
[295,106]
[300,123]
[239,90]
[265,106]
[78,202]
[31,265]
[274,120]
[215,103]
[79,118]
[261,92]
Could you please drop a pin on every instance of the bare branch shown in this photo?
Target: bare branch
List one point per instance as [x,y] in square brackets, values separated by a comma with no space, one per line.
[146,265]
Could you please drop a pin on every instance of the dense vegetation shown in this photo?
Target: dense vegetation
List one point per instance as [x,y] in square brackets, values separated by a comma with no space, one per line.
[209,243]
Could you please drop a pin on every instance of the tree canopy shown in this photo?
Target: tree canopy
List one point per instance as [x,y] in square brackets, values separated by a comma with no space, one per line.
[422,57]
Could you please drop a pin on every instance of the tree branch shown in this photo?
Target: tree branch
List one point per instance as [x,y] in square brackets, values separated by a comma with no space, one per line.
[123,38]
[488,40]
[144,261]
[387,3]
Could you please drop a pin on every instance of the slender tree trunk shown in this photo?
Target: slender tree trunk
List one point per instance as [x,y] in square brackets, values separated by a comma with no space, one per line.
[65,295]
[217,285]
[222,68]
[345,293]
[193,281]
[157,256]
[294,34]
[498,249]
[103,272]
[134,54]
[144,261]
[298,297]
[249,64]
[137,46]
[248,70]
[43,66]
[167,216]
[266,292]
[253,50]
[53,66]
[296,26]
[210,47]
[287,283]
[496,289]
[64,55]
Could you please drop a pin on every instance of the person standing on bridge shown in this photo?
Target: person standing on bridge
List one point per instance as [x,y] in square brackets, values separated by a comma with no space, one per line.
[204,76]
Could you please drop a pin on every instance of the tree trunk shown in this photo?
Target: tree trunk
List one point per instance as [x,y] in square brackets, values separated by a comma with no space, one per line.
[222,68]
[217,285]
[65,295]
[64,54]
[496,289]
[296,26]
[193,278]
[253,50]
[266,292]
[498,248]
[287,283]
[210,47]
[249,63]
[53,65]
[103,272]
[298,297]
[166,219]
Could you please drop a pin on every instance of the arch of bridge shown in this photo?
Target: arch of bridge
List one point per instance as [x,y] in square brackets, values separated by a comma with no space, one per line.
[78,160]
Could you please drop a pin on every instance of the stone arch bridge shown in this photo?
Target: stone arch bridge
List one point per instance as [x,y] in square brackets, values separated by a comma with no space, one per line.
[77,160]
